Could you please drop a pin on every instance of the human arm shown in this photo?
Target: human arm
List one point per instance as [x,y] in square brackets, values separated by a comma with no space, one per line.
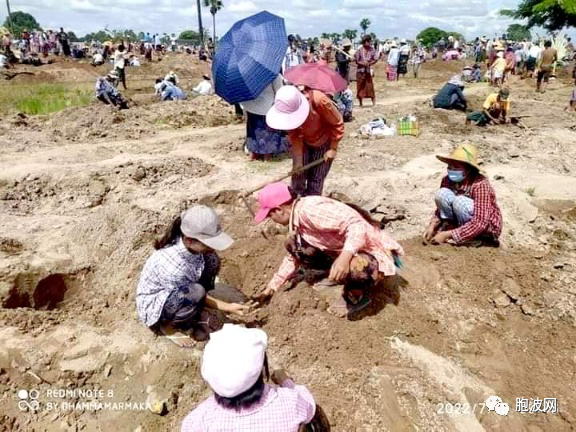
[233,308]
[483,195]
[461,96]
[330,114]
[305,404]
[342,221]
[285,272]
[435,221]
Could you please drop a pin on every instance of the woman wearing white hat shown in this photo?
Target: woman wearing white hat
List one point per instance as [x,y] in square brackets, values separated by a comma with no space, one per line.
[234,365]
[315,128]
[174,283]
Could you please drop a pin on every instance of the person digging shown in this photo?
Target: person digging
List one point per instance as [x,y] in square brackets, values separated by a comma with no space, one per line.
[331,236]
[466,209]
[172,295]
[495,109]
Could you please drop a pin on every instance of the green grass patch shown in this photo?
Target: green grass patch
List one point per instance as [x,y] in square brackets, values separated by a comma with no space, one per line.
[34,99]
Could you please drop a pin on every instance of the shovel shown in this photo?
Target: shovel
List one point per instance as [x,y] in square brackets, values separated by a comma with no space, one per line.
[291,173]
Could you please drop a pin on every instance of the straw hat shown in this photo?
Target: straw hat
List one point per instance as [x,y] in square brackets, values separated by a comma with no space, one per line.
[466,153]
[346,42]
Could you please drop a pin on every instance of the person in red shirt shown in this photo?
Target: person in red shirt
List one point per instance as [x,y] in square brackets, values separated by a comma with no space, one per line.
[466,207]
[315,127]
[333,237]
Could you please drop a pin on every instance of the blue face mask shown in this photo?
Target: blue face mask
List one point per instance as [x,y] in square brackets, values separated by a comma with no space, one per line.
[456,176]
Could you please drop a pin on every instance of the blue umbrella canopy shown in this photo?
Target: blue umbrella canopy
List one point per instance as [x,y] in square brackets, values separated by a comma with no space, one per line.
[249,57]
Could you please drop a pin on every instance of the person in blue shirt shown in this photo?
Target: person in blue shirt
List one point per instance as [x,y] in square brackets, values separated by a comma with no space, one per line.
[106,91]
[172,92]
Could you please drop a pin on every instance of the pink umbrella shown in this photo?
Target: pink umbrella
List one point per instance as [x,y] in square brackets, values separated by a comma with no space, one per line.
[316,76]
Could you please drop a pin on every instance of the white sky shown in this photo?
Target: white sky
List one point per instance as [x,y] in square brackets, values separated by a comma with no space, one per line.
[402,18]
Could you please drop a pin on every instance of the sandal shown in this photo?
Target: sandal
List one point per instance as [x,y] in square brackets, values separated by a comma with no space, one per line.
[178,337]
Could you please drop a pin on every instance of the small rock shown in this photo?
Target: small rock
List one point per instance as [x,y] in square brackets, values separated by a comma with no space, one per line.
[139,174]
[107,371]
[559,265]
[543,239]
[527,211]
[498,177]
[353,135]
[502,300]
[138,429]
[155,404]
[513,152]
[511,288]
[527,309]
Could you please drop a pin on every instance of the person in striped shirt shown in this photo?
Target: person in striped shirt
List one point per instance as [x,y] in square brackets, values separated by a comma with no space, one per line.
[466,208]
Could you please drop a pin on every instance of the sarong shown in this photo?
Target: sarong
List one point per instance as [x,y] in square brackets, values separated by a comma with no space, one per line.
[364,85]
[262,140]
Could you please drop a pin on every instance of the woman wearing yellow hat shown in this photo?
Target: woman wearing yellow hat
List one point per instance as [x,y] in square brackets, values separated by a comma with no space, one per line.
[466,208]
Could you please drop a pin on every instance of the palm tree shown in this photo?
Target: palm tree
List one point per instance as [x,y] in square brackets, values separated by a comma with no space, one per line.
[364,24]
[200,29]
[215,6]
[9,16]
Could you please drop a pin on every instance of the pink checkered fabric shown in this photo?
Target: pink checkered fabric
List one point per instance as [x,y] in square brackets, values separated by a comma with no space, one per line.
[330,225]
[282,409]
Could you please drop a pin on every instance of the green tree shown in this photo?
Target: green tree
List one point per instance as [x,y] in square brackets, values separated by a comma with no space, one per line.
[335,37]
[99,36]
[431,35]
[350,34]
[215,6]
[72,36]
[374,37]
[190,35]
[364,24]
[518,32]
[550,14]
[141,36]
[325,35]
[21,21]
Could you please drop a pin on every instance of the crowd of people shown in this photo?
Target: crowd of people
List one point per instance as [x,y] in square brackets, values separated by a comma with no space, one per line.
[176,294]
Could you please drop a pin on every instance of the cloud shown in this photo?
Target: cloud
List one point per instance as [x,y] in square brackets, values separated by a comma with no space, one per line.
[402,18]
[243,6]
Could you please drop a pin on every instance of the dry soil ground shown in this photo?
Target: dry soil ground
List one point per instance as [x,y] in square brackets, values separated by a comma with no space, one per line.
[84,192]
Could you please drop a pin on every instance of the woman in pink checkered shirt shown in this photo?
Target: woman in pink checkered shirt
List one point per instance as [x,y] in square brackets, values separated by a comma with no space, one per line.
[235,367]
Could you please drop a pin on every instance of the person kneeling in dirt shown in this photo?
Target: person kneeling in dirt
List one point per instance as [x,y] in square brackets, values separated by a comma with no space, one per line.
[107,93]
[466,207]
[450,96]
[495,109]
[330,236]
[235,366]
[171,92]
[172,293]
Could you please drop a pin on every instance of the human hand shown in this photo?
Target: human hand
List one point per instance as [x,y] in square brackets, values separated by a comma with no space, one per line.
[340,267]
[330,155]
[239,309]
[264,297]
[442,237]
[428,235]
[279,376]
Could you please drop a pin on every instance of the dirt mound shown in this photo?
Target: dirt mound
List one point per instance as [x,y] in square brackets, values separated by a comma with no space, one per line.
[101,121]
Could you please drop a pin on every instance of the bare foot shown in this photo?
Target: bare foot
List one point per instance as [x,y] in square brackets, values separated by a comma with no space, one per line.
[178,337]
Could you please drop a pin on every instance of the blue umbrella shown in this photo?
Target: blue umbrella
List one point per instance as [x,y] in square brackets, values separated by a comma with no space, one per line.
[249,57]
